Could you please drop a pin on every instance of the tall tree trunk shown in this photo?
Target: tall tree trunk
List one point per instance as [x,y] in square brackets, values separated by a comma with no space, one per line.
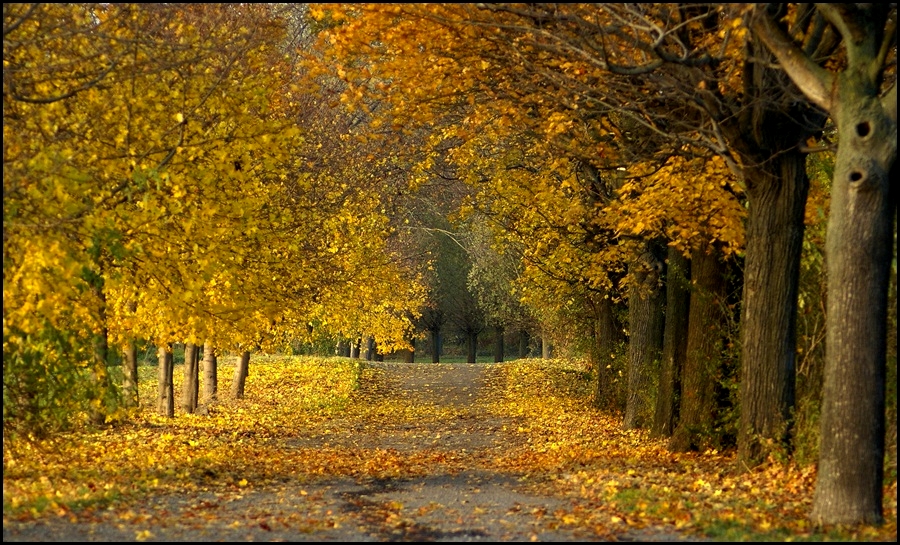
[130,372]
[241,371]
[769,309]
[704,353]
[210,374]
[545,346]
[849,486]
[191,379]
[498,343]
[166,403]
[472,347]
[355,348]
[674,343]
[608,335]
[645,307]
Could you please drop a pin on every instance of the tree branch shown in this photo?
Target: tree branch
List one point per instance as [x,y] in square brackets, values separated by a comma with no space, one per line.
[813,80]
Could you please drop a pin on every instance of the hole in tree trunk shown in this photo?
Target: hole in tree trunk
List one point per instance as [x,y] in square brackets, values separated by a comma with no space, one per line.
[863,129]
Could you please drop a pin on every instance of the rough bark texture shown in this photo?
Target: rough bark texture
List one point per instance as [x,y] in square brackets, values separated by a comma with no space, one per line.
[166,403]
[858,248]
[241,371]
[769,311]
[210,374]
[704,353]
[674,343]
[645,308]
[191,379]
[770,133]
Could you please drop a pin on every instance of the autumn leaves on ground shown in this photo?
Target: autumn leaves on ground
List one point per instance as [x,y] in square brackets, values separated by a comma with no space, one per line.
[320,448]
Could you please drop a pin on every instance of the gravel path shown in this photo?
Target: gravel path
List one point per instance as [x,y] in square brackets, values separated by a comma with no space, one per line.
[465,501]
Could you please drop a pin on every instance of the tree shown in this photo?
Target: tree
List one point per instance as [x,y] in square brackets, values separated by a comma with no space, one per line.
[626,86]
[860,94]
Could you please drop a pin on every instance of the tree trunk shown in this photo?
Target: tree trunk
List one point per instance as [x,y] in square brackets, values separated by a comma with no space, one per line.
[195,391]
[674,343]
[545,347]
[472,347]
[645,307]
[498,344]
[355,348]
[435,345]
[523,344]
[130,372]
[370,349]
[100,370]
[849,485]
[769,308]
[191,379]
[704,353]
[241,371]
[166,403]
[608,335]
[210,373]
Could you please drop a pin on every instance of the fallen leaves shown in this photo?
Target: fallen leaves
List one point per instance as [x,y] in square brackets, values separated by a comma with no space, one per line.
[276,445]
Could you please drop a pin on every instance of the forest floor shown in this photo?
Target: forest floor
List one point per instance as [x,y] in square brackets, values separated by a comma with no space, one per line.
[459,495]
[337,449]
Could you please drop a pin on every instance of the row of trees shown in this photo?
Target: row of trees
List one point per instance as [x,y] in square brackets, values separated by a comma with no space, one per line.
[169,179]
[621,149]
[631,180]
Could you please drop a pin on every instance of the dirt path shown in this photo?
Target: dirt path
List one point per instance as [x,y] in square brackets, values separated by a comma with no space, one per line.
[464,499]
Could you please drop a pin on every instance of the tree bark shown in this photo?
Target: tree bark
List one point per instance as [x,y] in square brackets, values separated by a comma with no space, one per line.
[191,379]
[166,403]
[777,197]
[210,373]
[645,308]
[608,335]
[241,371]
[704,353]
[355,348]
[849,488]
[674,343]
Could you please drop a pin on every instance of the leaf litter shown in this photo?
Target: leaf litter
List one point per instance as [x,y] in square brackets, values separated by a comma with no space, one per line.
[332,449]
